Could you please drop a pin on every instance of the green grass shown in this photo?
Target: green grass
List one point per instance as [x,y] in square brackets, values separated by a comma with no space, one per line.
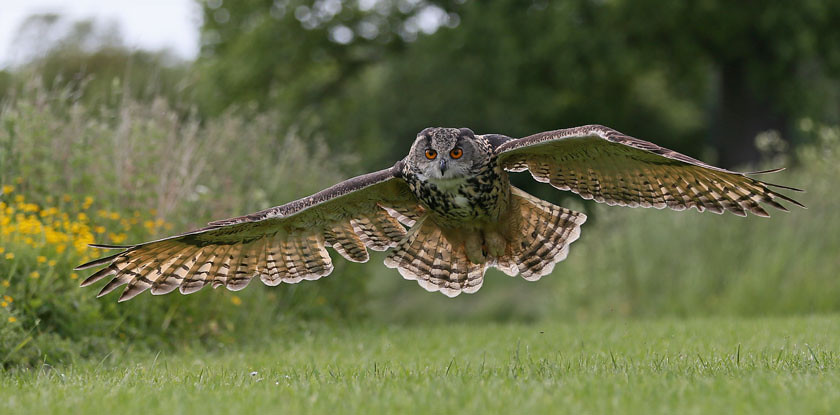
[715,365]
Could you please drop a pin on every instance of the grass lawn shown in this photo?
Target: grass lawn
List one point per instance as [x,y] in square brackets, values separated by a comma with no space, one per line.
[714,365]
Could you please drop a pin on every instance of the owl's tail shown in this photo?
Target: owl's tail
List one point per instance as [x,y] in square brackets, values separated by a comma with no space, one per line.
[529,241]
[427,256]
[539,236]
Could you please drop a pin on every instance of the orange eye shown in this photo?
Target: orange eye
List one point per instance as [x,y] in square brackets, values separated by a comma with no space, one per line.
[456,153]
[431,154]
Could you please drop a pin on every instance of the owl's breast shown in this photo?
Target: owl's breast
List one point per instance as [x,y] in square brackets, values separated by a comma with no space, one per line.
[463,201]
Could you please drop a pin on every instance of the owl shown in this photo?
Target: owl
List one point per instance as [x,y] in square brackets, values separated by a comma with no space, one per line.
[446,213]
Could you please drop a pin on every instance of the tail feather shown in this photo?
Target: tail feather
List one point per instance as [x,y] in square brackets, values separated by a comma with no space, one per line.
[425,255]
[536,236]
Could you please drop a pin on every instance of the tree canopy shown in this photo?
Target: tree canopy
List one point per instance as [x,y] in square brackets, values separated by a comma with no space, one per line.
[686,74]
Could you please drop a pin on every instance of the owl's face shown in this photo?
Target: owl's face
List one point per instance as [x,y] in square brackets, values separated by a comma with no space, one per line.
[445,153]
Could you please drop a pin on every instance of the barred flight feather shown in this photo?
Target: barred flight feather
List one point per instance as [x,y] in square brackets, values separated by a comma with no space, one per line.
[602,164]
[544,234]
[283,244]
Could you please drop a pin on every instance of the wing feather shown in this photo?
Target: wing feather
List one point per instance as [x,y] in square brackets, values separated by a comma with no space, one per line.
[282,244]
[607,166]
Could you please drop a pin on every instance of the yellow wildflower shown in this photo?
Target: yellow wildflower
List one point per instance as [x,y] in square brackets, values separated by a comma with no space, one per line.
[99,229]
[19,199]
[41,259]
[236,300]
[88,201]
[35,275]
[2,249]
[10,255]
[51,263]
[4,304]
[8,298]
[117,237]
[12,319]
[60,248]
[74,276]
[8,189]
[114,215]
[6,283]
[66,198]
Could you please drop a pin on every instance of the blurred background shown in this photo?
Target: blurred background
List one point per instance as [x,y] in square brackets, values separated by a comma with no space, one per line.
[123,121]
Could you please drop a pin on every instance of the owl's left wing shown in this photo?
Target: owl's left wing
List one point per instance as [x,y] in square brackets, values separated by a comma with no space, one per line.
[281,244]
[600,163]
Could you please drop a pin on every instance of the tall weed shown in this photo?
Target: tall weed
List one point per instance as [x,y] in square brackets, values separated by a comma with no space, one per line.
[127,174]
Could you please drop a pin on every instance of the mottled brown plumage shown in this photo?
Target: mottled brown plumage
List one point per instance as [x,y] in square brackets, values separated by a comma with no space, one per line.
[453,193]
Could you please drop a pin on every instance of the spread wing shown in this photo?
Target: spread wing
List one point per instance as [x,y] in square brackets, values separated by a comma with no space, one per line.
[600,163]
[281,244]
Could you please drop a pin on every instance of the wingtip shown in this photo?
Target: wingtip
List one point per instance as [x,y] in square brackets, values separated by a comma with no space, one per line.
[768,171]
[95,262]
[781,186]
[88,281]
[791,200]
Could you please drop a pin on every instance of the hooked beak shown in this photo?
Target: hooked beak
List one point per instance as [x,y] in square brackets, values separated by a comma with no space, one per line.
[442,166]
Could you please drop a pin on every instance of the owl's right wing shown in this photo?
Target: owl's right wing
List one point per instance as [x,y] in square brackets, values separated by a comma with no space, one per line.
[280,244]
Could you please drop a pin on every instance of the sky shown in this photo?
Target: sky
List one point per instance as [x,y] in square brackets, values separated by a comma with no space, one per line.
[148,24]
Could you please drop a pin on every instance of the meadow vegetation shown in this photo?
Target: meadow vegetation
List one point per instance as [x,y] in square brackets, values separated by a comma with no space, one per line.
[652,312]
[73,175]
[689,366]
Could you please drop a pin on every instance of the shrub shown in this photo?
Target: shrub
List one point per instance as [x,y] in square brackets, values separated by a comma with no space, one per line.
[72,175]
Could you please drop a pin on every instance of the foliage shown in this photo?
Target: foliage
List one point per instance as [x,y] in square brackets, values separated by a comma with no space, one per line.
[718,365]
[42,309]
[89,60]
[73,175]
[521,67]
[317,47]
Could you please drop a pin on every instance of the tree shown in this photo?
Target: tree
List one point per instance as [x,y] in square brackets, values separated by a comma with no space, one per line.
[89,58]
[688,75]
[767,61]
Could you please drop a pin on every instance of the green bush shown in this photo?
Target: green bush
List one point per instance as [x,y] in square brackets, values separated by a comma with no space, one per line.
[73,175]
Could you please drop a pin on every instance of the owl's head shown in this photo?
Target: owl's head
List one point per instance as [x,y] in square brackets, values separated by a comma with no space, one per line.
[445,153]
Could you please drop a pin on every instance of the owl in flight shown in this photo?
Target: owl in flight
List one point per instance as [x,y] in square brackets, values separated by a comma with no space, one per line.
[447,212]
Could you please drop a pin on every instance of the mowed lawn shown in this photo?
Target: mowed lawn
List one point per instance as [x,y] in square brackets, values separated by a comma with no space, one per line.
[714,365]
